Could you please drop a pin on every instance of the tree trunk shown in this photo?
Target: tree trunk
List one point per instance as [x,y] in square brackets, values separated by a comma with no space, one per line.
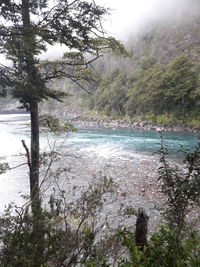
[34,172]
[29,67]
[32,102]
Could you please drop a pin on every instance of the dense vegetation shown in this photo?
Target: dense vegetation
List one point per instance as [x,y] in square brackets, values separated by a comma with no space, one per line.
[160,80]
[162,93]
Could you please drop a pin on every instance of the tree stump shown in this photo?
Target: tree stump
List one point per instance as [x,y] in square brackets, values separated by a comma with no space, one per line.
[141,228]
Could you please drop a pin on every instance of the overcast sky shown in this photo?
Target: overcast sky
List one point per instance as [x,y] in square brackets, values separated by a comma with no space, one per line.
[127,16]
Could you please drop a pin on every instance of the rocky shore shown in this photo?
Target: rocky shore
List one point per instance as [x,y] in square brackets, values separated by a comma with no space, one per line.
[82,122]
[134,174]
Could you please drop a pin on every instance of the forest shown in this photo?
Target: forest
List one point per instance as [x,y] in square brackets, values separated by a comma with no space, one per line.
[160,79]
[154,76]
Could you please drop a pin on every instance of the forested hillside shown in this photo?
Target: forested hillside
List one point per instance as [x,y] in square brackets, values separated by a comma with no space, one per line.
[160,80]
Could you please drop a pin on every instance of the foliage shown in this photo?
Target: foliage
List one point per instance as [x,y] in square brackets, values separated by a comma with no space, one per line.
[165,94]
[55,125]
[146,94]
[161,249]
[22,39]
[163,119]
[4,167]
[162,75]
[99,261]
[147,63]
[181,186]
[166,90]
[110,45]
[70,231]
[110,96]
[180,82]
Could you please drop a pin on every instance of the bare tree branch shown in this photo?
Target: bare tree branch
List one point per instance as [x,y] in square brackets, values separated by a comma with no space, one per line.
[27,154]
[102,31]
[15,167]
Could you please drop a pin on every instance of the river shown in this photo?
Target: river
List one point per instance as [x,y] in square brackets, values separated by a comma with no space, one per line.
[122,154]
[102,142]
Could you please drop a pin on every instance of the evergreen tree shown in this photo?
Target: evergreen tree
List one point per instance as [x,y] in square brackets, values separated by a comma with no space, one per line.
[180,82]
[147,92]
[27,28]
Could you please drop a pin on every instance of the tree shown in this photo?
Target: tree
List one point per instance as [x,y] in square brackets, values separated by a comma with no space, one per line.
[27,28]
[147,92]
[170,89]
[110,96]
[180,82]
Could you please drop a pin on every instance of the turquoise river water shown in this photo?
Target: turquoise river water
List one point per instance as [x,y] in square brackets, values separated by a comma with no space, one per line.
[98,145]
[104,142]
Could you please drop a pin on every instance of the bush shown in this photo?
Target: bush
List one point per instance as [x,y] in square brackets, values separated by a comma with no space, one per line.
[67,231]
[163,119]
[161,249]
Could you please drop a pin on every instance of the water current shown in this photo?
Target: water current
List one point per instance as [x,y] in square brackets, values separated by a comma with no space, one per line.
[97,144]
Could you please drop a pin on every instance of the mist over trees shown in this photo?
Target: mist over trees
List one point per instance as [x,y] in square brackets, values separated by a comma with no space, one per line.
[160,81]
[140,87]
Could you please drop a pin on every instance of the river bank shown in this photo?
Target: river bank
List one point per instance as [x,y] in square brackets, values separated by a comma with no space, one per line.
[84,121]
[136,177]
[89,155]
[134,174]
[95,122]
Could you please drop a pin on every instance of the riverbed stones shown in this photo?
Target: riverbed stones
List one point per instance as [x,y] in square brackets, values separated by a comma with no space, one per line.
[138,125]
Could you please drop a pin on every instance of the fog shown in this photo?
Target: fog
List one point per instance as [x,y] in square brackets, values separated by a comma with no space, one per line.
[127,17]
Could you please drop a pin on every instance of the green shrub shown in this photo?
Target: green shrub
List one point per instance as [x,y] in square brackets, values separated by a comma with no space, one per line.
[194,122]
[67,232]
[162,249]
[163,119]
